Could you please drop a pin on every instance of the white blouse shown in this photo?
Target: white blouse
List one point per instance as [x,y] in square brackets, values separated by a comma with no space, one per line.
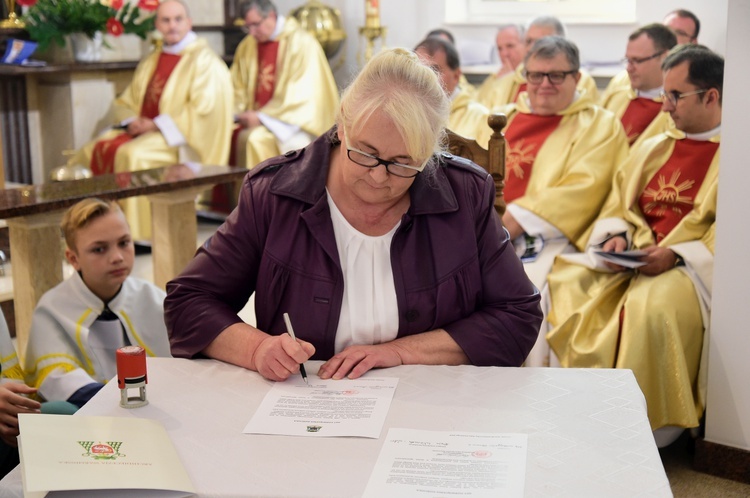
[369,312]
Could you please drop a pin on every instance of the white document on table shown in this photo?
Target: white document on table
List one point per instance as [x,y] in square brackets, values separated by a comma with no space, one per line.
[79,456]
[325,408]
[445,463]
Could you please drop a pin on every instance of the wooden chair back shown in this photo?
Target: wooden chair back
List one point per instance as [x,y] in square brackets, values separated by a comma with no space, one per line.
[492,158]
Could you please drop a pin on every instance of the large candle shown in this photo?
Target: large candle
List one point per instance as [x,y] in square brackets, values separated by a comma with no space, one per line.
[372,14]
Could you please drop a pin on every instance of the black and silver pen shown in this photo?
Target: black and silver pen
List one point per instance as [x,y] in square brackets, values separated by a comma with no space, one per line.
[290,331]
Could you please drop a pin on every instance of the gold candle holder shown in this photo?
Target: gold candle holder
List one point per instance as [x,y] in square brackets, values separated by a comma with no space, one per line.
[13,20]
[372,30]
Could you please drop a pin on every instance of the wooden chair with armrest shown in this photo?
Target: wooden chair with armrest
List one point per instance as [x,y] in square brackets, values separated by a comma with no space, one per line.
[492,158]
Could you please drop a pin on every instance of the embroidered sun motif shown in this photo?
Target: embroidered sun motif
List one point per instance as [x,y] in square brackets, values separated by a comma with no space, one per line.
[518,156]
[668,196]
[266,77]
[631,133]
[154,90]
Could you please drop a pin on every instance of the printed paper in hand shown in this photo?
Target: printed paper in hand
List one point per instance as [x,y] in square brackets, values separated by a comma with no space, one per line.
[325,408]
[74,454]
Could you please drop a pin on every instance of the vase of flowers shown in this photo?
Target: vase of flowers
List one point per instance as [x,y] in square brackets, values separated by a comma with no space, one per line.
[85,21]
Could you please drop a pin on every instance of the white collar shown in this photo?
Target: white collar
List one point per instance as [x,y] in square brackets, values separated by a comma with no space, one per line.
[178,47]
[705,135]
[650,94]
[280,20]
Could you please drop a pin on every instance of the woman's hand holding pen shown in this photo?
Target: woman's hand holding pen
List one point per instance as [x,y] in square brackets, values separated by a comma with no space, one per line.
[279,356]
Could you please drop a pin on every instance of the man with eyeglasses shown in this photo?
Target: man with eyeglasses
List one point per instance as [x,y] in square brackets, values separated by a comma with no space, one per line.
[685,26]
[448,36]
[468,118]
[561,155]
[663,203]
[284,91]
[506,90]
[637,102]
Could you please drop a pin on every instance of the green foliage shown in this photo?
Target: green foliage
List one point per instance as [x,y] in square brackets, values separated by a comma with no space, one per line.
[50,21]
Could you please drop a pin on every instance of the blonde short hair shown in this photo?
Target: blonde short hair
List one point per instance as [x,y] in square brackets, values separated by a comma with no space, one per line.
[81,214]
[397,83]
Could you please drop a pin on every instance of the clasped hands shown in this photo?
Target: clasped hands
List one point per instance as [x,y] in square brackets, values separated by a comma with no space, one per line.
[278,357]
[140,125]
[657,259]
[248,119]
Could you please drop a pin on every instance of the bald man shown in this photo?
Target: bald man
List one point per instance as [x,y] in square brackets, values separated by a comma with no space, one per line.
[177,108]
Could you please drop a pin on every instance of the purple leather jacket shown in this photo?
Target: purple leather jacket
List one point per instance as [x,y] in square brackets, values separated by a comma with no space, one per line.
[453,264]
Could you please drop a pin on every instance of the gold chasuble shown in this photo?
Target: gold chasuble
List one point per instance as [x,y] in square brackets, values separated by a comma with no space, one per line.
[573,162]
[304,92]
[265,85]
[103,158]
[497,92]
[526,135]
[196,103]
[468,118]
[664,194]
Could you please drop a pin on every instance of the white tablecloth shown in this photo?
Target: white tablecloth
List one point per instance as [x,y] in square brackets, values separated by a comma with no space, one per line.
[588,434]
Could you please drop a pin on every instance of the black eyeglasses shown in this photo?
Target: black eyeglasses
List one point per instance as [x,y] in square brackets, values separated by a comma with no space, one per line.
[554,77]
[674,95]
[247,27]
[640,60]
[370,161]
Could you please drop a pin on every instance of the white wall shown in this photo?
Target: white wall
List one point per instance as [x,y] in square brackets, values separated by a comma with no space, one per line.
[728,413]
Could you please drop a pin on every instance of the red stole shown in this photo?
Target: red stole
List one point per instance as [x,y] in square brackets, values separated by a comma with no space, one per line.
[521,88]
[638,115]
[670,193]
[103,157]
[525,135]
[266,80]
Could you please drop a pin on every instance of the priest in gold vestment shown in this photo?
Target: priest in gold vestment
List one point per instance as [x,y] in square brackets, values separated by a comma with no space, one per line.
[511,49]
[637,102]
[468,118]
[284,91]
[663,202]
[505,90]
[178,108]
[561,155]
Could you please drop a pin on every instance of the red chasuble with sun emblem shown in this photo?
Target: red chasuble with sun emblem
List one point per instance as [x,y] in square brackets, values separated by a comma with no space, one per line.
[266,82]
[525,135]
[638,115]
[103,158]
[670,193]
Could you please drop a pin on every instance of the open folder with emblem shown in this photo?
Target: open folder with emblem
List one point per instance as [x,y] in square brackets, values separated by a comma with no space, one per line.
[69,456]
